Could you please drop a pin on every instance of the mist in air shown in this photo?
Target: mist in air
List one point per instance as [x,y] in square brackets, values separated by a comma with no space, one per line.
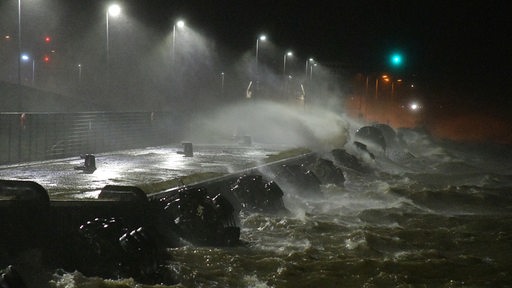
[171,69]
[270,122]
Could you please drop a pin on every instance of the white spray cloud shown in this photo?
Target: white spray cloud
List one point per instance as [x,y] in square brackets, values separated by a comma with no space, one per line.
[273,123]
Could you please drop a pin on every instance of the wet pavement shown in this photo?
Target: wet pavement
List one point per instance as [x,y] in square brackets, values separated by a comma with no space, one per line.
[138,167]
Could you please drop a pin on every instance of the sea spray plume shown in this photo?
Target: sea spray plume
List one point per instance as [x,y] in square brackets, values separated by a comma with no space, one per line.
[273,123]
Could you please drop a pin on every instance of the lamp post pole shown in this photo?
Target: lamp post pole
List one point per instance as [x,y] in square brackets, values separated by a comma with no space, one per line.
[79,74]
[222,83]
[33,70]
[180,24]
[308,62]
[311,71]
[19,42]
[19,102]
[262,38]
[284,61]
[113,10]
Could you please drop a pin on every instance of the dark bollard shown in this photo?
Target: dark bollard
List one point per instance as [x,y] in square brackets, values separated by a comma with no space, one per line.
[89,165]
[247,140]
[188,149]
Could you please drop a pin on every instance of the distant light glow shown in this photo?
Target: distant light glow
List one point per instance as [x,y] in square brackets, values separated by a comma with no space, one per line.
[114,10]
[7,37]
[414,106]
[47,39]
[396,59]
[263,37]
[25,57]
[289,54]
[180,24]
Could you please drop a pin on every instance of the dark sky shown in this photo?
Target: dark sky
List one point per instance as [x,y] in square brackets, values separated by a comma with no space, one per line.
[463,44]
[459,46]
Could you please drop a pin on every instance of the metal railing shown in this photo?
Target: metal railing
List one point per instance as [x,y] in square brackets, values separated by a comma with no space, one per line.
[28,137]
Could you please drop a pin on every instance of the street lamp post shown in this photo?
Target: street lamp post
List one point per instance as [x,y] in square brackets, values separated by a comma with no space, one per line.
[26,58]
[311,71]
[20,99]
[180,24]
[308,61]
[19,42]
[79,73]
[33,71]
[262,38]
[222,83]
[113,10]
[284,61]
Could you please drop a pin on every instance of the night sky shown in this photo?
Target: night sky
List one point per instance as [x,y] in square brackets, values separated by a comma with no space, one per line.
[457,48]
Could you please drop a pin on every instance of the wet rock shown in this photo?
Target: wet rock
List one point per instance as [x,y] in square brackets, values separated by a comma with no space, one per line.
[10,278]
[362,147]
[111,249]
[327,172]
[99,239]
[192,215]
[346,160]
[371,135]
[299,179]
[389,134]
[256,195]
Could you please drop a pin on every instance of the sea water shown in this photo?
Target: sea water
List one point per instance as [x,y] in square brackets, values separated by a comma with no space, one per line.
[427,214]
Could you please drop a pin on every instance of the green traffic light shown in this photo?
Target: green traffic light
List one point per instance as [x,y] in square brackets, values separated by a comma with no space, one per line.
[396,59]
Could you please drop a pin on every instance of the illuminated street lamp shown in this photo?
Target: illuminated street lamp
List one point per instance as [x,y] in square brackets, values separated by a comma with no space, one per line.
[261,38]
[222,83]
[286,55]
[180,24]
[79,73]
[113,10]
[26,58]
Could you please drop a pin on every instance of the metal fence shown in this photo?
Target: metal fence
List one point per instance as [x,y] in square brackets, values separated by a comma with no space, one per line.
[41,136]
